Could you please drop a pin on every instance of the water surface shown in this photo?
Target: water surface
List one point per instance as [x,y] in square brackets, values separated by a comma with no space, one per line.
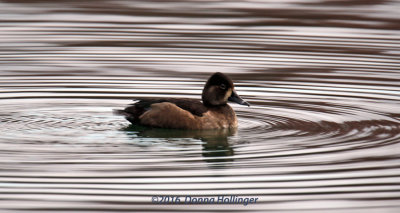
[322,134]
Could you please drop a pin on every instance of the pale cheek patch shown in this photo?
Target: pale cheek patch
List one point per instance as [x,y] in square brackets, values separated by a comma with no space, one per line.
[228,94]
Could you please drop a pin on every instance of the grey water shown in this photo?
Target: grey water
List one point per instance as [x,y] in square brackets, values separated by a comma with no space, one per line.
[322,77]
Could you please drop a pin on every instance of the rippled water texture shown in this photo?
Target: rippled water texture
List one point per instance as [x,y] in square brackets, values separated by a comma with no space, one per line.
[322,134]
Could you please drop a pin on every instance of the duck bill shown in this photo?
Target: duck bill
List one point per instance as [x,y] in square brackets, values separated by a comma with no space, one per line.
[237,99]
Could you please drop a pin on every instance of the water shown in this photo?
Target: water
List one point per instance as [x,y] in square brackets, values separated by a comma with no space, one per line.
[322,134]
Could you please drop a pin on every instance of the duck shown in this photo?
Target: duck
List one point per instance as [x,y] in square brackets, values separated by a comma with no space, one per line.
[212,112]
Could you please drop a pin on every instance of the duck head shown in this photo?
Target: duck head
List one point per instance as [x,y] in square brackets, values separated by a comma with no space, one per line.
[219,90]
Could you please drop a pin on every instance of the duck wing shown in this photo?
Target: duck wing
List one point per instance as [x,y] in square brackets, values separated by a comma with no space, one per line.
[135,110]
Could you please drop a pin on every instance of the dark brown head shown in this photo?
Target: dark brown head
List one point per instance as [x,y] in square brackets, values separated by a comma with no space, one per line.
[219,90]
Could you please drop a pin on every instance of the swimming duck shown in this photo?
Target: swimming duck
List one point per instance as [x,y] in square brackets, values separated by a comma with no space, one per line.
[183,113]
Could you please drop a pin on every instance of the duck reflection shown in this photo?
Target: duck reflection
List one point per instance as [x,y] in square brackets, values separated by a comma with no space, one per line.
[216,148]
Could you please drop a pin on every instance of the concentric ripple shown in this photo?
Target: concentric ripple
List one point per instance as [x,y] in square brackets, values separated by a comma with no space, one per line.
[284,148]
[322,133]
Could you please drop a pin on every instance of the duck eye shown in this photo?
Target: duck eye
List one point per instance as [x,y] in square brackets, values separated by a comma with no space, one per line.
[222,86]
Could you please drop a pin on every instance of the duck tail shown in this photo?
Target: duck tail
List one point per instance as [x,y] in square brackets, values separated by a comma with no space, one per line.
[119,112]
